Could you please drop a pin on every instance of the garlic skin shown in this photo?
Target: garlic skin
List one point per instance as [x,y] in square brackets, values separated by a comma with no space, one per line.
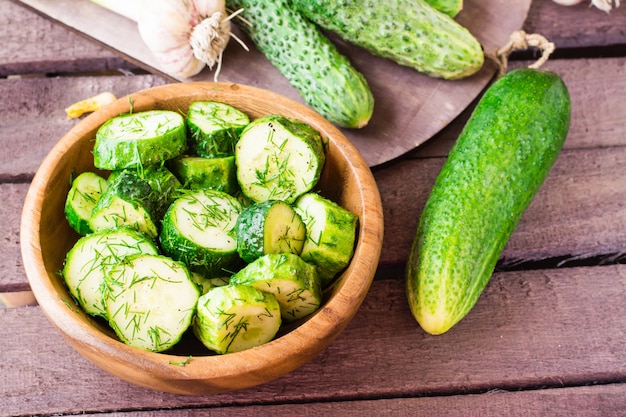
[604,5]
[168,27]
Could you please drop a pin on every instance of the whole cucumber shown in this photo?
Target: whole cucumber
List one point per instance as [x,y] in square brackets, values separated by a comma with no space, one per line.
[410,32]
[494,170]
[326,79]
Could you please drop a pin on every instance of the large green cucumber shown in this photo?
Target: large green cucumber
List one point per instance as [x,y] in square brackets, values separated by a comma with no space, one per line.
[498,164]
[409,32]
[325,78]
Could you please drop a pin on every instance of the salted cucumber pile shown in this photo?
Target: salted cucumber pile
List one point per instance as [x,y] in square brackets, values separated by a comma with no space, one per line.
[208,221]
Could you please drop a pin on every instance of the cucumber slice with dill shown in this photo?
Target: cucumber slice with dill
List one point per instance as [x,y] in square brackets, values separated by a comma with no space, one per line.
[150,301]
[163,183]
[271,226]
[294,283]
[196,172]
[128,201]
[331,234]
[214,128]
[233,318]
[199,230]
[278,159]
[91,256]
[140,139]
[84,193]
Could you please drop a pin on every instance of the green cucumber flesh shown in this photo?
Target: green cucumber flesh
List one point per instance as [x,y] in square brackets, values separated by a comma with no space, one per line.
[294,282]
[278,159]
[199,230]
[325,78]
[271,226]
[128,201]
[214,128]
[151,301]
[139,139]
[493,172]
[233,318]
[410,32]
[330,234]
[84,193]
[164,184]
[194,172]
[86,264]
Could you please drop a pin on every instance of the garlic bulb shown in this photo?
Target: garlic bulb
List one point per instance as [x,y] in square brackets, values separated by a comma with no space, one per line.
[184,35]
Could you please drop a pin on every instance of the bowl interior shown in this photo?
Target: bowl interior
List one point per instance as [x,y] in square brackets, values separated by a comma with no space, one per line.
[46,238]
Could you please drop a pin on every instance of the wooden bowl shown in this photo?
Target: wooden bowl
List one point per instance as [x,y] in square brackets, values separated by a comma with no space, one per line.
[46,238]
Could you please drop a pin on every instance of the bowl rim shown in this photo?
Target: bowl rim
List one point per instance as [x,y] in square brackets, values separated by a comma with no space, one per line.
[326,323]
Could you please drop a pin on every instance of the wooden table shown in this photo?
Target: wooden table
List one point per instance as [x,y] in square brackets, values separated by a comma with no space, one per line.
[548,335]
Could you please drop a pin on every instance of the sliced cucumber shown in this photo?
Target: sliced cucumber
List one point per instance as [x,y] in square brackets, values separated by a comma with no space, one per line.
[278,159]
[205,284]
[195,172]
[233,318]
[294,282]
[92,255]
[162,181]
[331,234]
[271,226]
[150,301]
[85,191]
[128,201]
[214,128]
[140,139]
[199,230]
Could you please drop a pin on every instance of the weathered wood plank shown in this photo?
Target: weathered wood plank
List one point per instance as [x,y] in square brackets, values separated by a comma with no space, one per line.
[34,119]
[597,115]
[13,277]
[578,212]
[529,330]
[591,401]
[35,45]
[578,26]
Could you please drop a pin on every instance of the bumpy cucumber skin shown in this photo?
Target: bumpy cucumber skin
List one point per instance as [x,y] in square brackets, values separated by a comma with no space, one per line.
[409,32]
[84,193]
[499,162]
[221,141]
[196,172]
[133,189]
[115,154]
[326,79]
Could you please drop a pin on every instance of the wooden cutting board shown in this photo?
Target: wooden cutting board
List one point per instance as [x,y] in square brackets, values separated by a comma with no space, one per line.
[409,107]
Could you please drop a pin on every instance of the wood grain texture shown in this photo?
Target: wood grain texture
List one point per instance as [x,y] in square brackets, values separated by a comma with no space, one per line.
[578,212]
[592,401]
[579,26]
[34,119]
[34,45]
[597,120]
[13,277]
[528,331]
